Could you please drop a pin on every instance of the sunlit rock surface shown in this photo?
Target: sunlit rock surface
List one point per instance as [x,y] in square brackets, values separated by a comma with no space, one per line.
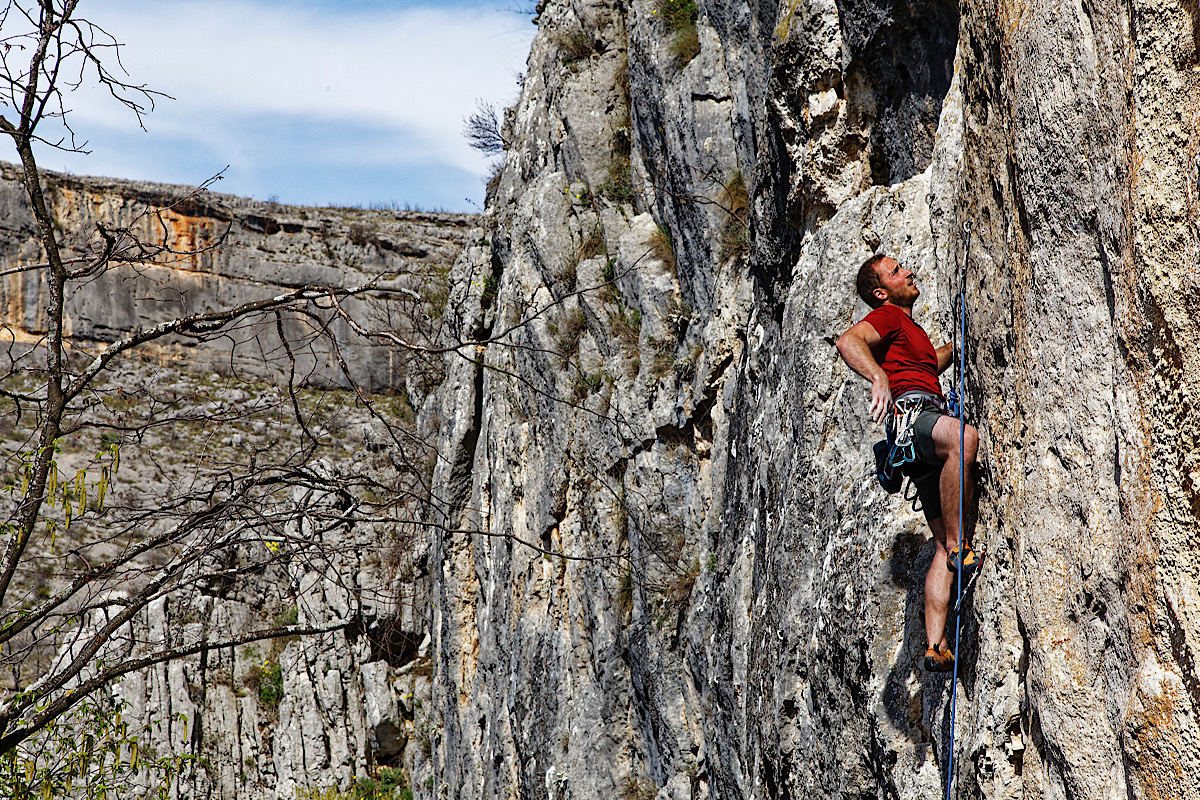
[662,567]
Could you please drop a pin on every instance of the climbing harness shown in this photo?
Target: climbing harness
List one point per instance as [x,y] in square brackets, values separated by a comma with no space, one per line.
[957,398]
[896,456]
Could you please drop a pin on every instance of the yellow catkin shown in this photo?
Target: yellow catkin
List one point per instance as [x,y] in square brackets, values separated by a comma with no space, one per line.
[81,491]
[103,488]
[51,483]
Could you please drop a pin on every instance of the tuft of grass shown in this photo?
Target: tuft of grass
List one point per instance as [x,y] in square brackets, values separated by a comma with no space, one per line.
[388,784]
[637,789]
[677,590]
[570,332]
[609,293]
[618,185]
[569,272]
[735,235]
[624,598]
[593,244]
[662,354]
[685,46]
[662,247]
[574,46]
[289,616]
[679,18]
[588,384]
[627,327]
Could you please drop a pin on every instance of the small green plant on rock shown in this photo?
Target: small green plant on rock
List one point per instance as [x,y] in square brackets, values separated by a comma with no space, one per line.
[618,186]
[267,680]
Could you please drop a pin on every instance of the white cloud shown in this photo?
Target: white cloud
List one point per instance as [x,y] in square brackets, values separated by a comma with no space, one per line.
[416,71]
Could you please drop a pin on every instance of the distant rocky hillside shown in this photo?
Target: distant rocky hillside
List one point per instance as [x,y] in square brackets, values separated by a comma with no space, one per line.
[257,250]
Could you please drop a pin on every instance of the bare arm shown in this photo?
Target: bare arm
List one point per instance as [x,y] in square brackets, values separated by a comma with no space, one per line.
[855,349]
[945,357]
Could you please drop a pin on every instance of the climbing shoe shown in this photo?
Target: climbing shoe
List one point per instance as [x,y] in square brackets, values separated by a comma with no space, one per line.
[938,660]
[970,561]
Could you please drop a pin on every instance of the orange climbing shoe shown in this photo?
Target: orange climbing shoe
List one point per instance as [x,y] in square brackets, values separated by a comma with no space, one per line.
[970,561]
[938,660]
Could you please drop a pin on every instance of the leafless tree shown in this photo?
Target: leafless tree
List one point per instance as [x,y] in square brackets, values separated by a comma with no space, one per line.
[482,130]
[84,550]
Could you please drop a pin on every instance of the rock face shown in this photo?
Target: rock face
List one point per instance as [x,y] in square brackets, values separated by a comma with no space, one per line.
[733,607]
[221,251]
[660,565]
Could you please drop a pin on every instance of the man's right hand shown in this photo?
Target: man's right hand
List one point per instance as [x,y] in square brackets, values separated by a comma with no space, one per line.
[881,399]
[855,347]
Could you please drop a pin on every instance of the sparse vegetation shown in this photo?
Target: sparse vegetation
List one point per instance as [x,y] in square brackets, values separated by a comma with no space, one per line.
[676,591]
[735,235]
[618,185]
[574,45]
[627,327]
[663,357]
[662,246]
[679,18]
[624,598]
[571,330]
[568,273]
[266,679]
[609,293]
[638,789]
[387,784]
[593,244]
[589,384]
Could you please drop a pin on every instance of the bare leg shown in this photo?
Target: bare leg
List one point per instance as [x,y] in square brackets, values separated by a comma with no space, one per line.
[937,588]
[946,446]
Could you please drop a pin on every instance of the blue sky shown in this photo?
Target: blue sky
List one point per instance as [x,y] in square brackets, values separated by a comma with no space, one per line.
[309,102]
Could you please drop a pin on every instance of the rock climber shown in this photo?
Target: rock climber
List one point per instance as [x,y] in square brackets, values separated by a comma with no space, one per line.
[894,353]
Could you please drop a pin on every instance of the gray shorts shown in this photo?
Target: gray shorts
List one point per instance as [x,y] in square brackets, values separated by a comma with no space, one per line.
[926,472]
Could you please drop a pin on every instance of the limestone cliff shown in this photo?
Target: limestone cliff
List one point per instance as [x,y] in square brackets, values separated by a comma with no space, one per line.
[661,565]
[738,610]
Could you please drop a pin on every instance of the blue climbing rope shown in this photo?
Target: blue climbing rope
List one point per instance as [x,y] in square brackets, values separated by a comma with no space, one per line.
[958,397]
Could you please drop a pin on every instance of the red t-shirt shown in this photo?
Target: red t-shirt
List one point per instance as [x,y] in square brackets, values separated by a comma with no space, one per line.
[908,356]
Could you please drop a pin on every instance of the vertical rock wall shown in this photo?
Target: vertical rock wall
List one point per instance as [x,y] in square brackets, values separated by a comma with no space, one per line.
[688,582]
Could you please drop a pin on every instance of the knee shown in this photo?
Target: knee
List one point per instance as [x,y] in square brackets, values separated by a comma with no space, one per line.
[970,443]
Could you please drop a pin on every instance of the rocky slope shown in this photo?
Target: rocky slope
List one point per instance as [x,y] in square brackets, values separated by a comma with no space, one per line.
[268,718]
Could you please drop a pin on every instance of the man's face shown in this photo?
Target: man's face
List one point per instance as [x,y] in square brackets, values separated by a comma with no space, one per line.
[899,284]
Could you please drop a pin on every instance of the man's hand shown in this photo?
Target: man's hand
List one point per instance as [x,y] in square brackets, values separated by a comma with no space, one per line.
[855,348]
[881,399]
